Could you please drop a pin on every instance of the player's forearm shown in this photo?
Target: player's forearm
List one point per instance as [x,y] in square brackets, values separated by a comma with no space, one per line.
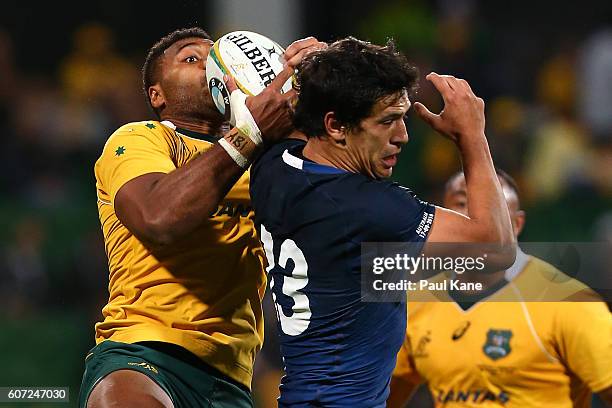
[181,201]
[487,208]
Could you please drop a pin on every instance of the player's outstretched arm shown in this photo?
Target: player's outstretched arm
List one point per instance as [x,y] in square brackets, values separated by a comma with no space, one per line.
[161,208]
[463,121]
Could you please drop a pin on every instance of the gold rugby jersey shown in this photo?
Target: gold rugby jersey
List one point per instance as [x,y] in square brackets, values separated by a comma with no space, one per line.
[204,293]
[510,354]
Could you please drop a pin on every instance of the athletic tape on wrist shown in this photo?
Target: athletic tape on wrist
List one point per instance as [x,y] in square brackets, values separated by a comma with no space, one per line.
[241,117]
[234,154]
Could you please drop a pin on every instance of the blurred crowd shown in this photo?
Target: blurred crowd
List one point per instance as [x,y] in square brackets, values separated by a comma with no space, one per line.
[549,123]
[549,111]
[51,252]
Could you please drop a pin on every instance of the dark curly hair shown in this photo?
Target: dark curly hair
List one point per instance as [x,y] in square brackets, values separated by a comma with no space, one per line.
[348,78]
[151,67]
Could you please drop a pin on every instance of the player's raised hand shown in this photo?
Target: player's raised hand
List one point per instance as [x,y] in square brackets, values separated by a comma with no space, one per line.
[463,113]
[298,49]
[270,109]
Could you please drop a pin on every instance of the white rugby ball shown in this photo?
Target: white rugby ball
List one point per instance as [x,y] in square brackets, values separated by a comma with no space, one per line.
[252,59]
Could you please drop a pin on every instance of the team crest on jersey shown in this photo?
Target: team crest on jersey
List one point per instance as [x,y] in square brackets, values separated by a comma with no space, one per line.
[497,344]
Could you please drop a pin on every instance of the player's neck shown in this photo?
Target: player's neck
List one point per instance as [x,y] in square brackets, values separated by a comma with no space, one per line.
[201,126]
[326,152]
[488,280]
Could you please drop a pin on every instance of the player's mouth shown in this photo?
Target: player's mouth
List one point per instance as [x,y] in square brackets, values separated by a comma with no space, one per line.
[390,161]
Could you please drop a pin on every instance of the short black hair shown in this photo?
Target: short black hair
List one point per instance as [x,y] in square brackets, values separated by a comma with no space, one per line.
[348,78]
[150,68]
[508,179]
[500,173]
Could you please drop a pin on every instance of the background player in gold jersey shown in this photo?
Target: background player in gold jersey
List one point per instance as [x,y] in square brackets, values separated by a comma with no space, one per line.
[183,322]
[477,353]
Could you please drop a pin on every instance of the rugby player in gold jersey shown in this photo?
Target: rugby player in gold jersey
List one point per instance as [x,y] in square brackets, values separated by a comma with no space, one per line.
[183,321]
[501,348]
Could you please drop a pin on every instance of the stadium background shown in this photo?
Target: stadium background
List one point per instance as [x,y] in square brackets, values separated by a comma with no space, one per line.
[69,75]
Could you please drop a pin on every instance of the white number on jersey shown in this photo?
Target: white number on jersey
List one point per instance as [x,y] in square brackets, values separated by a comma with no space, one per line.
[298,322]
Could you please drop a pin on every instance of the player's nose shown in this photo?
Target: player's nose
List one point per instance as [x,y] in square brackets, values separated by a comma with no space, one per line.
[400,135]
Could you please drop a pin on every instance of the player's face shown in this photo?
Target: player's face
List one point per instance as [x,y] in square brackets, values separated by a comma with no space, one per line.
[376,144]
[183,80]
[455,198]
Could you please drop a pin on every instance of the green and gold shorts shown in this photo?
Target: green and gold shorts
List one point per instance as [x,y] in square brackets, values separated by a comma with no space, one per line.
[187,380]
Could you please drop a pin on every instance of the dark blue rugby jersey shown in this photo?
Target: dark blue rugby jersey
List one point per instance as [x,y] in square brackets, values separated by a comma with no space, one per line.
[338,351]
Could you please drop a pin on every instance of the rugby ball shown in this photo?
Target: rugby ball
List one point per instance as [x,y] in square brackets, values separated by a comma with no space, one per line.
[252,59]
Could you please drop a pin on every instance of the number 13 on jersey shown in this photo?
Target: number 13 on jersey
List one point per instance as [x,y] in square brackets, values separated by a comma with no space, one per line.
[298,320]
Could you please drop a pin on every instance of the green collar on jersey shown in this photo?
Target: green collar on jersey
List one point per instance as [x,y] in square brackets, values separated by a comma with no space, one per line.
[197,135]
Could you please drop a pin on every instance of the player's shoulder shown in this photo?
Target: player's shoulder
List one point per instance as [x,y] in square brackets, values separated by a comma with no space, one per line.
[148,134]
[147,128]
[382,205]
[275,152]
[269,165]
[393,190]
[394,207]
[542,281]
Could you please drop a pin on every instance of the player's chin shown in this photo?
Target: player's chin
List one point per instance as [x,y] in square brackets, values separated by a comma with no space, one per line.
[210,110]
[384,172]
[385,167]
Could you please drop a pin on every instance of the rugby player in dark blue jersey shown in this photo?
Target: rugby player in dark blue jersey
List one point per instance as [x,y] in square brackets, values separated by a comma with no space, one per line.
[317,201]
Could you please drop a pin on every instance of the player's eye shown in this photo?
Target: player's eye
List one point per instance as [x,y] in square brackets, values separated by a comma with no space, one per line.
[391,120]
[191,59]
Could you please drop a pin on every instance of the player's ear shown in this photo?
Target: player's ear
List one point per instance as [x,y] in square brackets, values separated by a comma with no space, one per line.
[334,128]
[518,222]
[156,96]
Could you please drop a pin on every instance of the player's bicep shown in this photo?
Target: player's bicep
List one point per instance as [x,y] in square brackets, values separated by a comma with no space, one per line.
[450,226]
[131,203]
[453,235]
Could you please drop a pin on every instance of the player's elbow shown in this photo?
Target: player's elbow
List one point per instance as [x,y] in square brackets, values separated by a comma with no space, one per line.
[164,226]
[496,232]
[159,240]
[158,231]
[499,243]
[501,257]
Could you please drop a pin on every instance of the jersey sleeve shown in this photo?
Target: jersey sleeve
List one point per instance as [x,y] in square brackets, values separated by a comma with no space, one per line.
[416,216]
[133,150]
[584,341]
[400,216]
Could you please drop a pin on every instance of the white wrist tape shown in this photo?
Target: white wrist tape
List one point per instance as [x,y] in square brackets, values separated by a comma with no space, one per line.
[234,154]
[241,117]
